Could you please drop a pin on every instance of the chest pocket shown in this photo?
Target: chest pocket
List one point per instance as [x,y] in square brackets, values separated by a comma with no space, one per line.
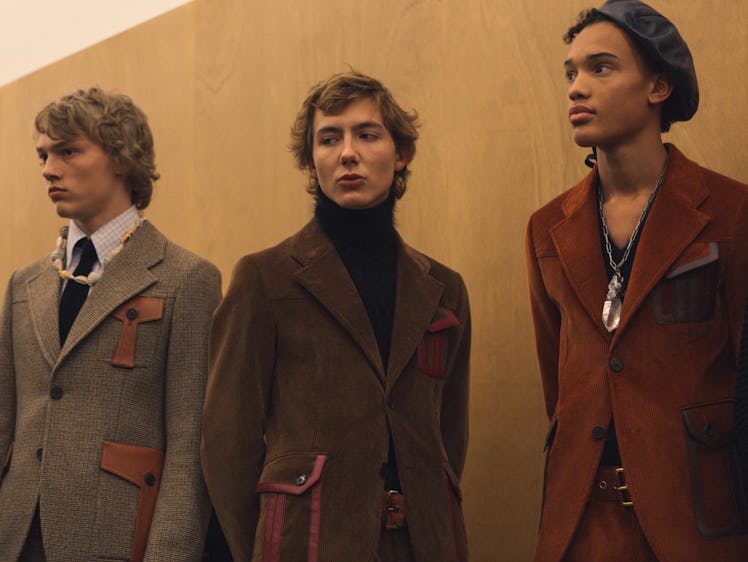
[688,292]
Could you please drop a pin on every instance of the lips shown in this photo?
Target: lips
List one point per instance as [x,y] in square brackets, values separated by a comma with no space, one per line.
[351,180]
[55,192]
[580,114]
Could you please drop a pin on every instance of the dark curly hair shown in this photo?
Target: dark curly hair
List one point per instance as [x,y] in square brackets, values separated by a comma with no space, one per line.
[115,123]
[332,96]
[591,16]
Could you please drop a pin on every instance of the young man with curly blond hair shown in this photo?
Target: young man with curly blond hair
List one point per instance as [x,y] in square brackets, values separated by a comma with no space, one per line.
[103,357]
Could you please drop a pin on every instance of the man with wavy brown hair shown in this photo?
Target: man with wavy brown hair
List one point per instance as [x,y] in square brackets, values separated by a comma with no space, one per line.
[103,357]
[335,424]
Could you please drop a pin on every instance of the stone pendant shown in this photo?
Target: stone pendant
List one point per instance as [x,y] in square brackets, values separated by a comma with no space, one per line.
[612,304]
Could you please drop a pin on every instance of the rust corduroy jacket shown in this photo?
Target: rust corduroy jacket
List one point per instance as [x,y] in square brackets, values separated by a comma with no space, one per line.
[666,375]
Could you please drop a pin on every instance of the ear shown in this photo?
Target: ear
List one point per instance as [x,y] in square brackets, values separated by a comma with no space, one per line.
[661,90]
[401,162]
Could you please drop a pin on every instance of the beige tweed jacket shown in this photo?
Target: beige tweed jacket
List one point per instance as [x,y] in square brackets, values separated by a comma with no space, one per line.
[107,429]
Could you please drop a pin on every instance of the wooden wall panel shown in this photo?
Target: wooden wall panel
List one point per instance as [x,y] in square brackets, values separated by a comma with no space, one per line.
[222,80]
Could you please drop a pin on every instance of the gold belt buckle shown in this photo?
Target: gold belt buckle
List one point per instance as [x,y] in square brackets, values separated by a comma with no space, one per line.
[623,488]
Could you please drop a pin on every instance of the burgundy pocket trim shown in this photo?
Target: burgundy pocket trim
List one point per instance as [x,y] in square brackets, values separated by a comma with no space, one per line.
[273,531]
[432,351]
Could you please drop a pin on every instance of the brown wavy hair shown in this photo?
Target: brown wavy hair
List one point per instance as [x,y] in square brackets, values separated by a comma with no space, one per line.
[332,96]
[114,122]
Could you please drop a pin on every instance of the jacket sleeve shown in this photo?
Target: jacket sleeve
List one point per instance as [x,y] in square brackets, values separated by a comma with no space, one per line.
[181,514]
[7,380]
[546,321]
[454,412]
[242,357]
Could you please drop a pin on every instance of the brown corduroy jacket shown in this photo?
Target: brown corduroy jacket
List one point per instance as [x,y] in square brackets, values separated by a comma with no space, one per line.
[666,375]
[298,407]
[107,429]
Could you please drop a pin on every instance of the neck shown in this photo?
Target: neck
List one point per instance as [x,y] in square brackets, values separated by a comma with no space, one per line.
[630,171]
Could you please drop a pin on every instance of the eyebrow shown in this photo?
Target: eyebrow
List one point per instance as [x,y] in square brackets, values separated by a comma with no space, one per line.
[357,127]
[54,146]
[593,56]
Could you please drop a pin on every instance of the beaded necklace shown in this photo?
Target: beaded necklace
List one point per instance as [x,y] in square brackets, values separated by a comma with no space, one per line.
[92,278]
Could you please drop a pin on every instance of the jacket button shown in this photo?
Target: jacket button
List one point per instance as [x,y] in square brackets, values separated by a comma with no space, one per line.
[150,479]
[616,364]
[55,392]
[132,314]
[391,403]
[301,480]
[598,432]
[39,454]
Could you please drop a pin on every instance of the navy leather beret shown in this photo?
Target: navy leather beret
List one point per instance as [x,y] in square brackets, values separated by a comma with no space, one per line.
[661,41]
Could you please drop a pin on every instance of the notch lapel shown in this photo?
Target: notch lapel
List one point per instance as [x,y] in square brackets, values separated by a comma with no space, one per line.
[673,224]
[325,277]
[124,277]
[418,296]
[44,297]
[577,242]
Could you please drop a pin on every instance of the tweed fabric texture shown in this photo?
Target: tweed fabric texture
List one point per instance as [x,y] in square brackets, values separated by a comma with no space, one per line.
[88,513]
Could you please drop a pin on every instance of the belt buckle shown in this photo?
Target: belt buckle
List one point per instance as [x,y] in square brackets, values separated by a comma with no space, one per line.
[623,488]
[393,517]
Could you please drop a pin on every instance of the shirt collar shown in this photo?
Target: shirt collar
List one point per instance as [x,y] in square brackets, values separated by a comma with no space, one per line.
[106,238]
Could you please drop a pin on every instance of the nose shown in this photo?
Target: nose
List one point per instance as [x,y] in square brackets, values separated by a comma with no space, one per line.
[577,88]
[50,170]
[349,151]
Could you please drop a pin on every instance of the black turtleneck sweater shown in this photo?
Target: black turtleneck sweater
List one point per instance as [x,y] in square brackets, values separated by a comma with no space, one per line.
[366,241]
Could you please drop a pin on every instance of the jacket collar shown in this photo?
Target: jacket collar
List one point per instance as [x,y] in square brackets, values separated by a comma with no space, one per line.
[323,274]
[124,277]
[673,223]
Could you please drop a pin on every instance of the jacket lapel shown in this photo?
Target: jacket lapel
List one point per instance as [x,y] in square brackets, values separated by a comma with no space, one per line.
[577,242]
[44,294]
[673,224]
[124,277]
[325,277]
[418,296]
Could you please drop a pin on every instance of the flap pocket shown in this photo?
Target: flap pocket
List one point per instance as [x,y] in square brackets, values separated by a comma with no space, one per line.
[718,482]
[291,474]
[711,424]
[432,351]
[696,255]
[135,311]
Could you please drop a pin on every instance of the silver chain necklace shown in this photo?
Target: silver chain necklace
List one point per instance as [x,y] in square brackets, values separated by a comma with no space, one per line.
[612,305]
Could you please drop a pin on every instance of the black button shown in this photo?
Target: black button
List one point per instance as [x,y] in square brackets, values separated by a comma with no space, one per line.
[39,454]
[616,364]
[598,432]
[709,429]
[301,480]
[55,392]
[150,479]
[132,314]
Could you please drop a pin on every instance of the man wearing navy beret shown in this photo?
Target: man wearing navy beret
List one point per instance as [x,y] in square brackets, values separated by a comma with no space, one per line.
[637,277]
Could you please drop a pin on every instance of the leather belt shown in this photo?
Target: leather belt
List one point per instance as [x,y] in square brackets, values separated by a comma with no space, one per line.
[393,510]
[610,485]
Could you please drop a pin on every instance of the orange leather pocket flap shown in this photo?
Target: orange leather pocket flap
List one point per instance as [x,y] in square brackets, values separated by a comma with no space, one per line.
[292,474]
[141,466]
[134,312]
[711,424]
[696,255]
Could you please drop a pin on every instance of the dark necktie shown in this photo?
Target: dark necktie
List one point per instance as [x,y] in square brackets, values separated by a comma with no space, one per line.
[75,294]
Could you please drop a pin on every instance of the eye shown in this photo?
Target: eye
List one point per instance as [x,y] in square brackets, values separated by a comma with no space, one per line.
[67,151]
[603,68]
[42,157]
[328,141]
[368,136]
[570,75]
